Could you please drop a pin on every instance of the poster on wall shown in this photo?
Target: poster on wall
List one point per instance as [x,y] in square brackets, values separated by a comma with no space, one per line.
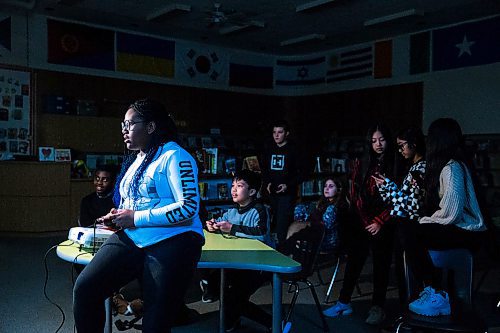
[15,133]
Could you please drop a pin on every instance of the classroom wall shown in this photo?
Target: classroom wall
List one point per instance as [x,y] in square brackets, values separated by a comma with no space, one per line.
[316,112]
[453,93]
[445,93]
[470,95]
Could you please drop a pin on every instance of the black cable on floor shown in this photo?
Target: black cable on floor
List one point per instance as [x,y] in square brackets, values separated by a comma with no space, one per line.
[45,288]
[46,282]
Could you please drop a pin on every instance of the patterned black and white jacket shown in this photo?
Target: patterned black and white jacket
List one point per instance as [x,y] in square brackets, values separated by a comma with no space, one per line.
[407,200]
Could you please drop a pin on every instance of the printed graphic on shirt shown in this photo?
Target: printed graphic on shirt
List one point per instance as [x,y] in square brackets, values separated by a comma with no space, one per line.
[277,162]
[189,187]
[148,196]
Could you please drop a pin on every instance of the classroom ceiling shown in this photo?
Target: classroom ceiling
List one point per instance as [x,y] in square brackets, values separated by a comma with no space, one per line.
[281,27]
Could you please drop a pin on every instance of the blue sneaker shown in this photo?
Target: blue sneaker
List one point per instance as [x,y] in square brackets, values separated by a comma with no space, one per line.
[431,303]
[338,309]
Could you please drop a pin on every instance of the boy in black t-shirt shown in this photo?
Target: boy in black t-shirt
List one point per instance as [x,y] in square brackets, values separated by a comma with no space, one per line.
[100,202]
[281,172]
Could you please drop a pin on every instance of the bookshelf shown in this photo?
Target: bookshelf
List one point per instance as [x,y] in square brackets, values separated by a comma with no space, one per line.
[485,152]
[333,161]
[218,157]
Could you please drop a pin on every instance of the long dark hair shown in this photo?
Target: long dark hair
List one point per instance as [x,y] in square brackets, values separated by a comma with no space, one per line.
[444,143]
[339,198]
[148,111]
[386,159]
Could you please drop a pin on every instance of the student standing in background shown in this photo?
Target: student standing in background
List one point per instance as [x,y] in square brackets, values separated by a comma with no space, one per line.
[371,229]
[281,176]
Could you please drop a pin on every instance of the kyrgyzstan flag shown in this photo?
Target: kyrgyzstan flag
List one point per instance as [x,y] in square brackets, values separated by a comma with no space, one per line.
[80,45]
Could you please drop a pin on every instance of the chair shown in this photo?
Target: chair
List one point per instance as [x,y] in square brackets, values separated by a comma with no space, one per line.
[457,266]
[303,247]
[336,260]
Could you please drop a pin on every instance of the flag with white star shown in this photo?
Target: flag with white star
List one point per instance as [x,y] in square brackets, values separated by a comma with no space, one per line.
[468,44]
[300,72]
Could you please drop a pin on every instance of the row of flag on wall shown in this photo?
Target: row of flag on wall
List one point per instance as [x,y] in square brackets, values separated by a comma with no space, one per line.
[467,44]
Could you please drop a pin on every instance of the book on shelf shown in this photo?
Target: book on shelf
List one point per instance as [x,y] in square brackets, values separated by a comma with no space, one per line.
[206,142]
[312,187]
[191,142]
[338,165]
[211,160]
[251,163]
[230,165]
[207,159]
[330,164]
[222,191]
[203,187]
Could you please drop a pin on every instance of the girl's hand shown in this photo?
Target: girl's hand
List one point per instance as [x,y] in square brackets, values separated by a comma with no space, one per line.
[379,179]
[373,228]
[108,218]
[123,218]
[281,188]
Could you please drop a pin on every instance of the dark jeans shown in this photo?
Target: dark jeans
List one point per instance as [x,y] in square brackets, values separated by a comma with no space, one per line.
[358,249]
[417,238]
[165,269]
[282,210]
[240,285]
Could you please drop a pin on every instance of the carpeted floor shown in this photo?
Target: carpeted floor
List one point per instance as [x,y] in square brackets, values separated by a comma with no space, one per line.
[24,309]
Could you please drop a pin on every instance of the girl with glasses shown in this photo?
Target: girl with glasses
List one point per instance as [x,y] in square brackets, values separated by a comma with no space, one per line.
[160,233]
[451,216]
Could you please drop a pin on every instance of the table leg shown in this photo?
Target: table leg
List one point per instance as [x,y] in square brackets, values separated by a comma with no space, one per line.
[222,313]
[108,327]
[277,299]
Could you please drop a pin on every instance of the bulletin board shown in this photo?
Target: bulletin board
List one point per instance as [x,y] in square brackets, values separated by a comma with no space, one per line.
[15,113]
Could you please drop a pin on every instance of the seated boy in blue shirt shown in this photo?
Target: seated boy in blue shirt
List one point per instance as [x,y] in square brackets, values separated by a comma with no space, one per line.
[248,219]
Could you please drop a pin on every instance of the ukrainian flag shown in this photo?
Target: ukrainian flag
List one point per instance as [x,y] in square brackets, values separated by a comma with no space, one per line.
[145,55]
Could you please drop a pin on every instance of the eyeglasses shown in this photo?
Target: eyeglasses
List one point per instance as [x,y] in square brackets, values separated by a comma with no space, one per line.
[401,146]
[127,124]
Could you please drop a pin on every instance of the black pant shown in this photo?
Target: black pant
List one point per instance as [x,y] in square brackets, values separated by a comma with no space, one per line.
[282,209]
[417,238]
[165,268]
[358,248]
[240,285]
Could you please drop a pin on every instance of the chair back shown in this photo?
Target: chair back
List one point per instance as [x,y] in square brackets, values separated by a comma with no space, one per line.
[458,266]
[303,247]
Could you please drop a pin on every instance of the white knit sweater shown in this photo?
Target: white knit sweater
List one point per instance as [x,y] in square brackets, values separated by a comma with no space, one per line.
[458,203]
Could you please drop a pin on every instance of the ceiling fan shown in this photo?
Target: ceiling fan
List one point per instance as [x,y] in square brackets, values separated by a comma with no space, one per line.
[217,16]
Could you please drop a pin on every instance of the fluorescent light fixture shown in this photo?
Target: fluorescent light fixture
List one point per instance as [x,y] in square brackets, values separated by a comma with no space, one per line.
[26,4]
[235,28]
[311,5]
[393,17]
[169,9]
[302,39]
